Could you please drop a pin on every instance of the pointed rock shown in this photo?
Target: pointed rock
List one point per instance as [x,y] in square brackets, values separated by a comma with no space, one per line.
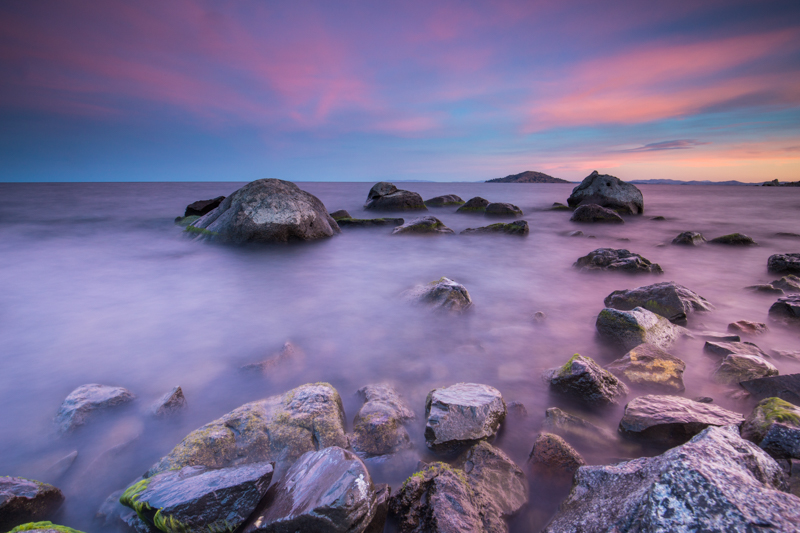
[584,380]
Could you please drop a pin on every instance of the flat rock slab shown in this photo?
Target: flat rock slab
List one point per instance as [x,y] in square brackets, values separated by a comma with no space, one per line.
[784,387]
[519,228]
[553,456]
[617,259]
[784,263]
[378,426]
[734,239]
[668,299]
[384,196]
[474,205]
[774,425]
[443,294]
[723,349]
[444,201]
[502,209]
[584,380]
[736,368]
[608,191]
[716,482]
[462,414]
[86,401]
[689,238]
[426,225]
[26,500]
[594,213]
[746,327]
[637,326]
[671,420]
[649,366]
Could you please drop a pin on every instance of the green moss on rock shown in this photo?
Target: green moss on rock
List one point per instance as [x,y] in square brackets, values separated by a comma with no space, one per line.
[43,526]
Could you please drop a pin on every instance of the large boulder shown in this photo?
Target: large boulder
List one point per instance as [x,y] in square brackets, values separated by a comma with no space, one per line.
[26,500]
[519,227]
[689,238]
[774,425]
[595,213]
[716,482]
[608,191]
[278,429]
[267,210]
[637,326]
[784,387]
[502,209]
[444,201]
[385,196]
[462,414]
[584,380]
[551,456]
[784,263]
[668,299]
[671,420]
[425,225]
[378,426]
[201,207]
[734,239]
[651,367]
[787,308]
[474,205]
[576,428]
[326,491]
[736,368]
[86,402]
[443,294]
[621,259]
[195,499]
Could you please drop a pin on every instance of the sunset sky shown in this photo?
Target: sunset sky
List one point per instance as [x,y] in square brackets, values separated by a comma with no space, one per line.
[181,90]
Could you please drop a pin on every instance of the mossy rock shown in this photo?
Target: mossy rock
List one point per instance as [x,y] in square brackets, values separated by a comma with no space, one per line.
[774,425]
[734,239]
[44,527]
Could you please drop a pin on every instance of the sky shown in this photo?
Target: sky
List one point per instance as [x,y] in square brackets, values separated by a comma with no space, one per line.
[179,90]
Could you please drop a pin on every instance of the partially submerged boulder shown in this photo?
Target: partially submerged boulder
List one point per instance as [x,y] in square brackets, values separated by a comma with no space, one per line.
[502,209]
[576,428]
[443,294]
[584,380]
[444,201]
[649,366]
[621,259]
[551,456]
[716,482]
[368,222]
[689,238]
[637,326]
[734,239]
[787,308]
[608,191]
[736,368]
[384,196]
[723,349]
[519,227]
[462,414]
[474,205]
[785,387]
[788,283]
[201,207]
[765,288]
[170,403]
[746,327]
[774,425]
[26,500]
[86,402]
[671,420]
[378,426]
[426,225]
[784,263]
[668,299]
[595,213]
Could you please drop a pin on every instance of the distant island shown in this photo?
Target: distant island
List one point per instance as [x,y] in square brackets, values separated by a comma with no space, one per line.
[773,183]
[529,176]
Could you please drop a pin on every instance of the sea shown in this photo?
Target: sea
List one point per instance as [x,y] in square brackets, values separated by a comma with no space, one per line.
[99,285]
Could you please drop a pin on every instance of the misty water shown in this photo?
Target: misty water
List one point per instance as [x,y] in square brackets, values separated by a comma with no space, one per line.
[98,285]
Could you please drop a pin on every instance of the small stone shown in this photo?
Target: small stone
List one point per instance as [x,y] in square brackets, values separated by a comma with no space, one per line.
[426,225]
[715,336]
[288,352]
[584,380]
[551,455]
[746,327]
[517,409]
[703,399]
[659,218]
[539,317]
[689,238]
[462,414]
[170,403]
[86,401]
[576,233]
[341,213]
[650,366]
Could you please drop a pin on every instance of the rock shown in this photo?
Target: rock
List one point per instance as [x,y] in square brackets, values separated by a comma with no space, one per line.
[378,425]
[608,191]
[539,317]
[787,235]
[734,239]
[62,466]
[341,213]
[427,225]
[474,205]
[85,402]
[113,515]
[741,367]
[787,307]
[659,218]
[784,263]
[196,499]
[462,414]
[185,221]
[170,403]
[576,428]
[517,409]
[43,527]
[723,349]
[784,387]
[519,227]
[611,259]
[443,201]
[501,209]
[689,238]
[715,336]
[716,482]
[326,491]
[790,283]
[703,399]
[765,288]
[277,429]
[584,380]
[671,420]
[26,500]
[637,326]
[201,207]
[385,196]
[288,352]
[576,233]
[595,213]
[552,456]
[650,366]
[529,176]
[368,222]
[745,327]
[558,206]
[443,294]
[774,425]
[382,494]
[668,299]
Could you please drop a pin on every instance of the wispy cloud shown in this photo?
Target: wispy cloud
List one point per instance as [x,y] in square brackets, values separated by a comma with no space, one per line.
[678,144]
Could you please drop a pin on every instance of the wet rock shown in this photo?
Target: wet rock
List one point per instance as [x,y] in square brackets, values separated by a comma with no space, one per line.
[382,494]
[671,420]
[26,500]
[386,197]
[328,491]
[786,308]
[87,401]
[608,191]
[784,263]
[734,239]
[716,482]
[659,218]
[790,283]
[715,336]
[595,213]
[474,205]
[558,206]
[378,426]
[264,211]
[170,403]
[611,259]
[43,527]
[723,349]
[277,429]
[735,368]
[774,425]
[288,352]
[765,288]
[427,225]
[445,200]
[341,213]
[552,456]
[788,235]
[519,227]
[637,326]
[703,399]
[784,387]
[196,499]
[689,238]
[443,294]
[745,327]
[113,515]
[668,299]
[584,380]
[785,354]
[576,428]
[201,207]
[501,209]
[368,222]
[650,366]
[461,414]
[517,409]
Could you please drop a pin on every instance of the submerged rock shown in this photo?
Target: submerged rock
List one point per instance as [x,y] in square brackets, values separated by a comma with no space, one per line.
[26,500]
[462,414]
[723,349]
[668,299]
[341,213]
[637,326]
[734,239]
[715,336]
[595,213]
[443,294]
[519,227]
[558,206]
[765,288]
[671,420]
[445,200]
[689,238]
[368,222]
[649,366]
[170,403]
[201,207]
[608,191]
[474,205]
[576,428]
[735,368]
[784,263]
[746,327]
[264,211]
[774,425]
[784,387]
[501,209]
[428,225]
[288,352]
[87,401]
[790,283]
[385,196]
[552,456]
[716,482]
[621,259]
[584,380]
[378,426]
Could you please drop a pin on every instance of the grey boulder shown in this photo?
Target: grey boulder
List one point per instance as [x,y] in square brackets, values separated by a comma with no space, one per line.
[617,259]
[502,209]
[462,414]
[384,196]
[784,263]
[584,380]
[736,368]
[608,191]
[519,227]
[425,225]
[651,367]
[444,200]
[637,326]
[378,426]
[26,500]
[774,425]
[689,238]
[595,213]
[443,294]
[474,205]
[668,299]
[87,401]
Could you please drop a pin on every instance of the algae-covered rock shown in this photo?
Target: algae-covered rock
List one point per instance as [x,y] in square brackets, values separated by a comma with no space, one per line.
[734,239]
[378,426]
[736,368]
[784,263]
[576,428]
[774,425]
[689,238]
[462,414]
[444,201]
[608,191]
[87,401]
[668,299]
[584,380]
[519,227]
[279,429]
[747,327]
[637,326]
[558,206]
[443,294]
[112,515]
[595,213]
[384,196]
[551,456]
[43,527]
[426,225]
[502,209]
[474,205]
[617,259]
[26,500]
[171,402]
[649,366]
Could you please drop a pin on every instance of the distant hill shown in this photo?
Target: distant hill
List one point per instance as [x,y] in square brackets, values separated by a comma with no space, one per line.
[529,176]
